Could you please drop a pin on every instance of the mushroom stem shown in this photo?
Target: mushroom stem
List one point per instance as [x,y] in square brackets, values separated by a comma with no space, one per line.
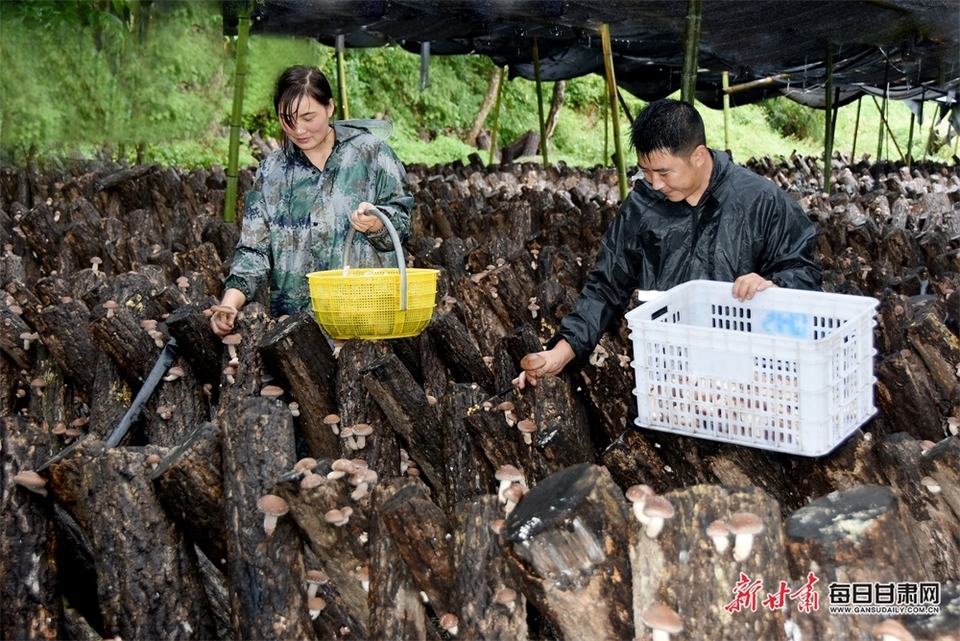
[269,523]
[742,546]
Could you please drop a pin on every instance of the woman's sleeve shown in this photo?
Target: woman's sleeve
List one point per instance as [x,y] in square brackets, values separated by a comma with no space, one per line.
[251,260]
[392,197]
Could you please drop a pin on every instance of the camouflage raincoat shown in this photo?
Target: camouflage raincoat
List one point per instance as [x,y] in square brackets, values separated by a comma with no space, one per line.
[296,217]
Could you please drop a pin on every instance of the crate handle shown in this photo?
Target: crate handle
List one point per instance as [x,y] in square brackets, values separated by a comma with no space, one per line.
[401,264]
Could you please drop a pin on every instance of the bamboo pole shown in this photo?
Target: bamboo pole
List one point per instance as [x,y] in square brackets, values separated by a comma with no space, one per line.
[496,116]
[614,108]
[885,125]
[239,82]
[543,124]
[828,142]
[726,110]
[759,82]
[913,121]
[856,130]
[688,82]
[344,108]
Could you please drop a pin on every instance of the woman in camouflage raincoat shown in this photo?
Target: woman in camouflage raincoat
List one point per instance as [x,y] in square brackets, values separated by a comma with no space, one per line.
[307,195]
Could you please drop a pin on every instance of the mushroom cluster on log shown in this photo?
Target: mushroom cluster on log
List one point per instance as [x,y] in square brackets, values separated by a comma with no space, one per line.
[281,485]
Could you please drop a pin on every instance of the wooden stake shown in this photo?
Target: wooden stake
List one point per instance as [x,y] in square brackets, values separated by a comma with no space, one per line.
[614,109]
[233,155]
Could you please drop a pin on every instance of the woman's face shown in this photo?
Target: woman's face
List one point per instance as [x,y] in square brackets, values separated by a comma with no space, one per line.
[311,123]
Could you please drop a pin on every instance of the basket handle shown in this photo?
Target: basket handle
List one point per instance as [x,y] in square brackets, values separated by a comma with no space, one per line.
[401,264]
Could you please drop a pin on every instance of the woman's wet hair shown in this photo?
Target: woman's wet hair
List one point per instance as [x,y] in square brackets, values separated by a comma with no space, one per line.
[670,126]
[293,85]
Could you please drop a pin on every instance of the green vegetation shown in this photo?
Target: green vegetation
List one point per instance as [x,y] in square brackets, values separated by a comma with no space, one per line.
[153,82]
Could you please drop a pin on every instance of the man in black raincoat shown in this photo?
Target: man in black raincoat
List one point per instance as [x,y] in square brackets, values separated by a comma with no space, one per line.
[695,215]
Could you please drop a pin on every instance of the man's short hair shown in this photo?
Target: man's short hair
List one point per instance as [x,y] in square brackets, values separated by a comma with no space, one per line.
[668,126]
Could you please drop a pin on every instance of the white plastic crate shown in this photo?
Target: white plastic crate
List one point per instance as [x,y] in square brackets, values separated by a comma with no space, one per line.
[789,371]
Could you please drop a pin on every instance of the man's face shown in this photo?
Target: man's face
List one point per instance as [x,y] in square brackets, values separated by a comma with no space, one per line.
[676,177]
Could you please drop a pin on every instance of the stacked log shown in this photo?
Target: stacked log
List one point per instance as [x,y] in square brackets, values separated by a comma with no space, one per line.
[415,507]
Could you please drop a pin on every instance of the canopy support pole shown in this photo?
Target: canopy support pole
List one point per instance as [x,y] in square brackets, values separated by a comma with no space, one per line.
[828,142]
[543,123]
[614,109]
[856,130]
[688,84]
[236,116]
[726,110]
[344,109]
[913,121]
[885,125]
[496,116]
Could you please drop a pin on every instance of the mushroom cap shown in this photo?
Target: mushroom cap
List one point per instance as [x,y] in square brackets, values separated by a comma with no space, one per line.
[505,406]
[639,492]
[508,472]
[316,603]
[306,463]
[333,516]
[148,324]
[363,572]
[449,621]
[152,459]
[745,523]
[514,493]
[659,507]
[893,628]
[331,419]
[271,391]
[362,429]
[232,339]
[311,480]
[60,428]
[111,304]
[272,504]
[718,528]
[177,371]
[317,576]
[30,480]
[506,595]
[343,465]
[527,426]
[661,617]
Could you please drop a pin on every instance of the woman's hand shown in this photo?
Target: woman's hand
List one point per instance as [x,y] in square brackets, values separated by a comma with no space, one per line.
[365,222]
[225,314]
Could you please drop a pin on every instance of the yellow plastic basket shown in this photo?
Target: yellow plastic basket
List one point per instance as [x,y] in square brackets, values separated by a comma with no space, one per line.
[373,303]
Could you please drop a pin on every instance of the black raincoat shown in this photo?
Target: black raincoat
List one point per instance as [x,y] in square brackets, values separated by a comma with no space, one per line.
[743,223]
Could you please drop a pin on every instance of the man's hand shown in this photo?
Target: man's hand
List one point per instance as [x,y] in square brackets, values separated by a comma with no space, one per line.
[747,285]
[364,222]
[539,364]
[225,314]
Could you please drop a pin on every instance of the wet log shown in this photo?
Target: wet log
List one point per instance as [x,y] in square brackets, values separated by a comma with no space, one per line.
[942,463]
[339,544]
[682,567]
[43,235]
[189,485]
[469,473]
[853,536]
[491,603]
[396,609]
[458,351]
[28,580]
[144,558]
[423,537]
[929,521]
[265,569]
[416,421]
[196,341]
[907,396]
[937,346]
[178,405]
[563,436]
[298,354]
[486,322]
[119,335]
[115,178]
[65,331]
[564,540]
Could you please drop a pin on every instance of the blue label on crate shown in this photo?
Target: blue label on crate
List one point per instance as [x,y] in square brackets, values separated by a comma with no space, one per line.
[790,324]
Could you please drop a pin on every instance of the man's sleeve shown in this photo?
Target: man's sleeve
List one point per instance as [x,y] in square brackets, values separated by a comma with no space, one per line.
[790,256]
[606,292]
